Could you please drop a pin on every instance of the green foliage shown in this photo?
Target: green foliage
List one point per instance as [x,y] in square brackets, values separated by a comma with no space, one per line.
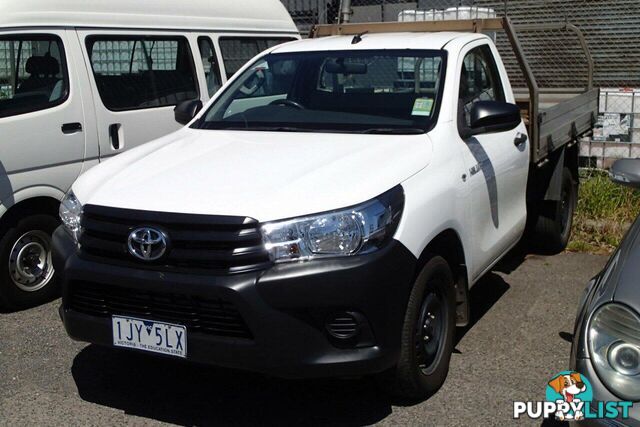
[601,198]
[605,212]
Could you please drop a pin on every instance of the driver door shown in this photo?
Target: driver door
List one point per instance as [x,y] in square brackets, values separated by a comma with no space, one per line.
[42,117]
[497,167]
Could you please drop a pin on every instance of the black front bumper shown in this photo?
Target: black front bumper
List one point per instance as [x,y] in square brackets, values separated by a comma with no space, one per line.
[284,307]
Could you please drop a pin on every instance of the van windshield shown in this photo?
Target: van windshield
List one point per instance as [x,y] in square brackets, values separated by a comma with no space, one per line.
[369,91]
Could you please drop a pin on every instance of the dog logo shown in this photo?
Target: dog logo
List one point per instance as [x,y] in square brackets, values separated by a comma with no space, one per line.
[569,397]
[569,390]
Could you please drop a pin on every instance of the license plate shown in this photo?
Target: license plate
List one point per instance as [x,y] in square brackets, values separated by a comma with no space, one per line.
[149,335]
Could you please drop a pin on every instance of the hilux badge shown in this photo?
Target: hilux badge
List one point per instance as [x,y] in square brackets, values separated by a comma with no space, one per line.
[147,244]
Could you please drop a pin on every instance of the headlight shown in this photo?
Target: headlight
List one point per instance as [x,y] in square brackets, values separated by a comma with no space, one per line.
[346,232]
[614,345]
[71,214]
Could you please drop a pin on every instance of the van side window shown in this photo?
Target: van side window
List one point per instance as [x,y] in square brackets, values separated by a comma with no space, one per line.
[210,64]
[237,51]
[479,80]
[142,72]
[33,73]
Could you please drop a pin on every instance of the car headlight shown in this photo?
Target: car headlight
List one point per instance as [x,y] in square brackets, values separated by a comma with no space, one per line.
[71,215]
[342,233]
[614,345]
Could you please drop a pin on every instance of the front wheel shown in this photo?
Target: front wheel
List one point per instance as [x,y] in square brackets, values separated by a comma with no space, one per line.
[427,335]
[27,277]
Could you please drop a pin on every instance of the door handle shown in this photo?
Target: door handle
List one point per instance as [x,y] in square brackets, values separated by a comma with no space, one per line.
[520,139]
[114,136]
[69,128]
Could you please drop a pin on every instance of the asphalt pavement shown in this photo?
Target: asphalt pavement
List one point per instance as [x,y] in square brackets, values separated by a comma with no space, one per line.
[523,315]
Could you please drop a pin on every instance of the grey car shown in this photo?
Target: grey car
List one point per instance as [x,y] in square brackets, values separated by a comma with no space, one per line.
[606,344]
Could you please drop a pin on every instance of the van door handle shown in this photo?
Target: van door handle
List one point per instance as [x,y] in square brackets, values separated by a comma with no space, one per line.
[69,128]
[114,136]
[520,139]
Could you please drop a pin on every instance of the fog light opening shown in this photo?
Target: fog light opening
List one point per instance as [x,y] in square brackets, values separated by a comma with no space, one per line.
[344,325]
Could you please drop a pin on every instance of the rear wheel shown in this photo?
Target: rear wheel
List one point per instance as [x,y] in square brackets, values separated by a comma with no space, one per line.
[427,335]
[552,229]
[27,277]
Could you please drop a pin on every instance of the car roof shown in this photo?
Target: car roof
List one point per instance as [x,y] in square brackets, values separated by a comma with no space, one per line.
[429,41]
[236,15]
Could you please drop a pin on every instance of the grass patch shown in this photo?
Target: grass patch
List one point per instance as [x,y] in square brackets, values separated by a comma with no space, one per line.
[605,212]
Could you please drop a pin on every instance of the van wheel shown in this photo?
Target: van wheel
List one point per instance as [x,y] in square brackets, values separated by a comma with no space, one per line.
[553,225]
[427,334]
[27,277]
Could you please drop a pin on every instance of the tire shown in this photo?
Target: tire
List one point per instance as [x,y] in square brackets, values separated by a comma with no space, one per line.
[27,277]
[424,362]
[552,228]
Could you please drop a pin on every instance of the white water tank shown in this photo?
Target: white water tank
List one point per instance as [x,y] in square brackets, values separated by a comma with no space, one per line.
[469,12]
[452,13]
[420,15]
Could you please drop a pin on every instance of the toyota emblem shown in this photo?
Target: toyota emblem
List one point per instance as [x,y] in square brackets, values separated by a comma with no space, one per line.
[147,244]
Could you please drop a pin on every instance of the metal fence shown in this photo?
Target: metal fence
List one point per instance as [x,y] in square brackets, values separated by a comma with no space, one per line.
[115,57]
[611,28]
[8,59]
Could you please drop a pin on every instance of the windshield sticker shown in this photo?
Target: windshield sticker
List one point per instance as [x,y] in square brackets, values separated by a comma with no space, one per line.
[422,107]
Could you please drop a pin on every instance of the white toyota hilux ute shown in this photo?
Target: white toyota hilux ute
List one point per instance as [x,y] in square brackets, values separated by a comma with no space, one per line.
[324,214]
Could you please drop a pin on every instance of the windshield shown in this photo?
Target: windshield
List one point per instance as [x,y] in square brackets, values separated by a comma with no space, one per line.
[381,91]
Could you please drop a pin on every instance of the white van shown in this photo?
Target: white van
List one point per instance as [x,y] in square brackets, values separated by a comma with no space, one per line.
[83,81]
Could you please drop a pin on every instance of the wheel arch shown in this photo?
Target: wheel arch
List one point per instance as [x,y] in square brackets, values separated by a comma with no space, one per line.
[449,246]
[31,201]
[545,182]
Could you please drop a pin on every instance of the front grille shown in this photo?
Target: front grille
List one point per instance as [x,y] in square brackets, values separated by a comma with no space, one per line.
[224,244]
[208,316]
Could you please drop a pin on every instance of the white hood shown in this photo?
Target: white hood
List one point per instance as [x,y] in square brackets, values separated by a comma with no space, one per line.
[263,175]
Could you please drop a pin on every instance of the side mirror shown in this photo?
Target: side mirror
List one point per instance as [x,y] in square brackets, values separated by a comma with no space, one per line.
[626,172]
[491,117]
[187,110]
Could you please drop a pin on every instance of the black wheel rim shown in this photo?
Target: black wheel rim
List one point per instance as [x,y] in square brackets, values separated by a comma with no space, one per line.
[565,210]
[430,331]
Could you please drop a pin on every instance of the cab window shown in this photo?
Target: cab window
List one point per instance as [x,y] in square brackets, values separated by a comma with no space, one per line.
[479,80]
[142,72]
[237,51]
[32,73]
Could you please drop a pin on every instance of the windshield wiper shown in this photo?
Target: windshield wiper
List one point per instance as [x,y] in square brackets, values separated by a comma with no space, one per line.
[380,131]
[268,128]
[394,131]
